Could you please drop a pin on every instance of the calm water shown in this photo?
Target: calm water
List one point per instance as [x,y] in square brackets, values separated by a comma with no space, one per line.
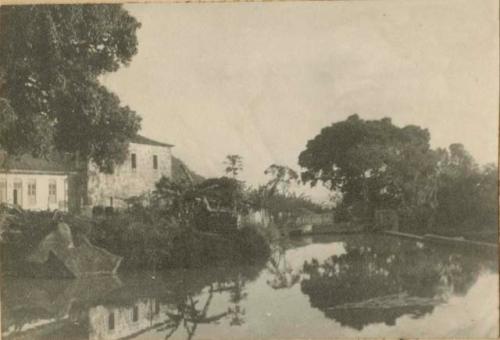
[342,286]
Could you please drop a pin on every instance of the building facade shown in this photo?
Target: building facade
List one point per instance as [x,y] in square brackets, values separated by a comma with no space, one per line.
[146,163]
[50,184]
[35,184]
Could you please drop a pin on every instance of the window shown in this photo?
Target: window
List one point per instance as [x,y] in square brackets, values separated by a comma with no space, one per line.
[133,159]
[3,191]
[135,314]
[32,192]
[17,193]
[155,162]
[52,191]
[111,321]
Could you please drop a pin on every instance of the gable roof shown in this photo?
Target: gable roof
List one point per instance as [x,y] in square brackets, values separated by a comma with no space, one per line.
[138,139]
[28,163]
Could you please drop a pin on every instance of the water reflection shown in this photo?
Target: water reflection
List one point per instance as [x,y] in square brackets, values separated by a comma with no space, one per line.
[388,278]
[341,284]
[283,274]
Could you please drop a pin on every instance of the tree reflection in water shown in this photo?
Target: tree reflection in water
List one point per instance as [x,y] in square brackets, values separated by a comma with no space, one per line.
[190,316]
[283,274]
[372,280]
[189,311]
[388,279]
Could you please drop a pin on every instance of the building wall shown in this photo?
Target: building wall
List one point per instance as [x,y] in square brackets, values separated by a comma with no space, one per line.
[41,197]
[125,182]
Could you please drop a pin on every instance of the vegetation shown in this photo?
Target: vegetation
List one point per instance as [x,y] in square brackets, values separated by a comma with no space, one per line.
[377,165]
[234,165]
[275,195]
[466,195]
[21,232]
[187,224]
[50,97]
[156,244]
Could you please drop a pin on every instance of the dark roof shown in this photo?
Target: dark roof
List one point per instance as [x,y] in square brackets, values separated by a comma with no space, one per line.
[27,162]
[138,139]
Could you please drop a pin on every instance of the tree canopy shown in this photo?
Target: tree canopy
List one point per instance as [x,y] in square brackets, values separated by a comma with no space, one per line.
[375,164]
[51,58]
[368,160]
[234,165]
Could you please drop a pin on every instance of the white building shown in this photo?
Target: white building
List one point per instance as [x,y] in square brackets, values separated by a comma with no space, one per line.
[34,183]
[49,184]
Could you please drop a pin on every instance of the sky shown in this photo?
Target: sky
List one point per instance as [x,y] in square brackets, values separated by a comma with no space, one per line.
[261,79]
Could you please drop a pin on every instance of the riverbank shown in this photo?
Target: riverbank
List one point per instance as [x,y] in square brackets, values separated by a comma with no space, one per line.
[145,242]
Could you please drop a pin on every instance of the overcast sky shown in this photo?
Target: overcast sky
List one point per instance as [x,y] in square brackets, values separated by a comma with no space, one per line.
[260,79]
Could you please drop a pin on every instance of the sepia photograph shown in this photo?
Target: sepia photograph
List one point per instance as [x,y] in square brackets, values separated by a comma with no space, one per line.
[249,170]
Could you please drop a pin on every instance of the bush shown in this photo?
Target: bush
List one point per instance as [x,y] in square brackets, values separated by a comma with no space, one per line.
[148,241]
[144,237]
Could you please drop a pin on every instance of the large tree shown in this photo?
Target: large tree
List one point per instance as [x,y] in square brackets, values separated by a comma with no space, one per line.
[51,58]
[373,163]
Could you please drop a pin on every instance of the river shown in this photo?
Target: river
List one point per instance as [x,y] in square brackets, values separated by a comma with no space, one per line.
[315,287]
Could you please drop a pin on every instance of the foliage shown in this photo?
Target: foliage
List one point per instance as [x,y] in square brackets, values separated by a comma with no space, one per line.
[189,202]
[467,193]
[23,230]
[275,196]
[149,241]
[285,203]
[373,163]
[224,192]
[281,179]
[50,61]
[142,237]
[234,165]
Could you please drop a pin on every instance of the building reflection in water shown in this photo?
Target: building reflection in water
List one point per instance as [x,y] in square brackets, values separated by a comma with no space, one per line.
[109,308]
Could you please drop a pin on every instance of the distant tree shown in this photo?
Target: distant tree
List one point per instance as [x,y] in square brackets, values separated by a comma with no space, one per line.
[275,196]
[223,192]
[234,164]
[373,163]
[281,178]
[466,193]
[51,57]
